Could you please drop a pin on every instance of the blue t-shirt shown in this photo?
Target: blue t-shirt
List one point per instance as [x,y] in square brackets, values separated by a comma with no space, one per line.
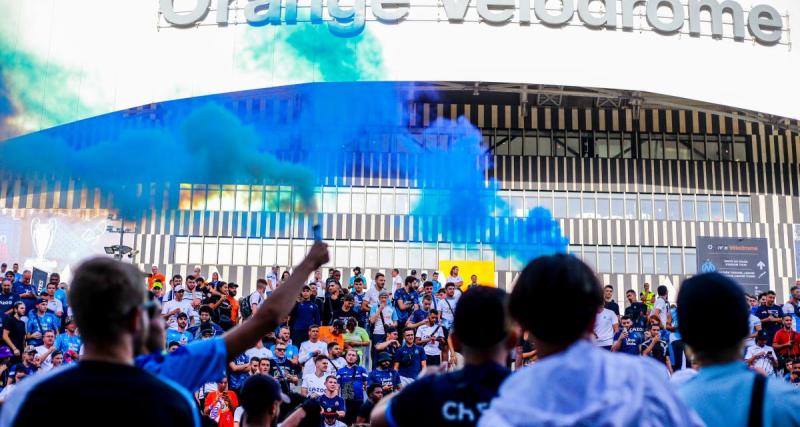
[291,351]
[21,288]
[419,316]
[7,302]
[409,360]
[331,404]
[389,377]
[436,286]
[236,379]
[41,324]
[762,312]
[630,345]
[62,296]
[191,366]
[65,343]
[181,338]
[409,298]
[304,314]
[357,375]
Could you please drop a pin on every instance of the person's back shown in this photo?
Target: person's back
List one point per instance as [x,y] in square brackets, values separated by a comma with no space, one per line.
[482,333]
[724,390]
[108,301]
[575,383]
[124,395]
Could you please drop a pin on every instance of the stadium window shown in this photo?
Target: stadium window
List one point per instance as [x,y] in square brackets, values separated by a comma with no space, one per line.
[674,208]
[656,146]
[590,256]
[715,207]
[631,207]
[647,261]
[670,147]
[688,204]
[739,149]
[573,144]
[632,260]
[703,213]
[730,210]
[603,211]
[181,254]
[644,146]
[618,260]
[712,148]
[603,260]
[560,205]
[617,206]
[675,261]
[529,143]
[660,208]
[615,146]
[574,209]
[601,145]
[645,206]
[501,142]
[545,144]
[662,261]
[684,147]
[726,148]
[698,147]
[589,209]
[627,144]
[744,209]
[689,261]
[515,143]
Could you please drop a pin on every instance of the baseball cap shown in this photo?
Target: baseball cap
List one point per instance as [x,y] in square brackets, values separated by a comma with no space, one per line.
[762,335]
[30,349]
[384,357]
[233,285]
[180,288]
[384,293]
[5,352]
[40,300]
[157,285]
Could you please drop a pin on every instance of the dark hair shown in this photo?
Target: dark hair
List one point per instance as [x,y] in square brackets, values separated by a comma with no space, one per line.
[625,318]
[205,309]
[171,343]
[793,288]
[104,295]
[332,344]
[378,275]
[349,297]
[410,279]
[261,282]
[372,387]
[550,278]
[480,320]
[769,292]
[313,327]
[608,287]
[358,280]
[427,298]
[428,283]
[433,311]
[729,309]
[177,276]
[662,290]
[630,291]
[255,359]
[189,277]
[396,270]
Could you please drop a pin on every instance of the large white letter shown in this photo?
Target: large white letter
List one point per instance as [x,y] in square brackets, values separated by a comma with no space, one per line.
[455,9]
[390,10]
[674,24]
[609,19]
[765,24]
[496,11]
[183,19]
[716,9]
[567,9]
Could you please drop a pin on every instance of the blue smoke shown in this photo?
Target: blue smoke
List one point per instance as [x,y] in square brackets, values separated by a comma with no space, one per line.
[200,141]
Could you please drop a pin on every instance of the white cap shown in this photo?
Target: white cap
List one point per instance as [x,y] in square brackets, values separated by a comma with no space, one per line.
[180,288]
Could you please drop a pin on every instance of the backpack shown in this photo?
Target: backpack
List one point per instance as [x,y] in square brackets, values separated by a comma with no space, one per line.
[244,307]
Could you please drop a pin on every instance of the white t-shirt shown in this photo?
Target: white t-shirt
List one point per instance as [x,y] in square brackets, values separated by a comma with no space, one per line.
[604,327]
[185,305]
[55,305]
[335,364]
[257,298]
[308,347]
[752,321]
[765,363]
[426,331]
[448,308]
[388,319]
[663,308]
[397,282]
[47,364]
[260,353]
[372,296]
[314,384]
[451,279]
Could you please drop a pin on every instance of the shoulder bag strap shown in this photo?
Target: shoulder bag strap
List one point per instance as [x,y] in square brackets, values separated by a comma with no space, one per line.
[756,415]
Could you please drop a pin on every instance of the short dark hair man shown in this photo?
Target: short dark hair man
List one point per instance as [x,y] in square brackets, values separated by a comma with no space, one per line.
[260,400]
[108,302]
[724,391]
[482,333]
[572,374]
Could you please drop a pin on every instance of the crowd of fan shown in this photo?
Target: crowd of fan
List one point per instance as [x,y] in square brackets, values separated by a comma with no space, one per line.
[348,343]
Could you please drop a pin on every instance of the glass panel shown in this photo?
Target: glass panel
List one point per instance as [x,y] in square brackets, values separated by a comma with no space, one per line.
[603,260]
[618,260]
[545,144]
[257,199]
[282,254]
[670,147]
[430,258]
[210,251]
[601,146]
[702,208]
[357,200]
[228,201]
[329,202]
[386,257]
[674,208]
[631,207]
[225,251]
[181,251]
[242,198]
[501,143]
[185,197]
[712,148]
[195,250]
[684,147]
[415,257]
[675,258]
[647,261]
[371,257]
[253,252]
[744,210]
[614,147]
[343,200]
[627,144]
[603,206]
[558,144]
[660,208]
[662,261]
[199,197]
[644,146]
[574,209]
[690,261]
[730,209]
[739,152]
[529,144]
[401,200]
[657,146]
[726,148]
[632,261]
[589,210]
[573,145]
[688,208]
[387,203]
[373,203]
[560,205]
[356,255]
[269,253]
[646,205]
[698,147]
[617,206]
[515,145]
[546,201]
[716,208]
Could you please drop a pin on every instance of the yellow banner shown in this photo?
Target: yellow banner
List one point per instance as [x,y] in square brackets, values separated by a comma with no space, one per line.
[466,269]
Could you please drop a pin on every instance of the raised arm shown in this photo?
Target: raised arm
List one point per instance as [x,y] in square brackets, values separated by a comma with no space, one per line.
[278,306]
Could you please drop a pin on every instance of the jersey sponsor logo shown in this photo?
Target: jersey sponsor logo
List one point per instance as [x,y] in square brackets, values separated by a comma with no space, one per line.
[461,412]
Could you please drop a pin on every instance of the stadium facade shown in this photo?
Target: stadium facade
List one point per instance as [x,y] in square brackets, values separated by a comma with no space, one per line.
[632,176]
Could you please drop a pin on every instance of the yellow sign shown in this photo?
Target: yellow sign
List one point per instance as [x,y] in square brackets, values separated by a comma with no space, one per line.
[466,269]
